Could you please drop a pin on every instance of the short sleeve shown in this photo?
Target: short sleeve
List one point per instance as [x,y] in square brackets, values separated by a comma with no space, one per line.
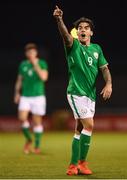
[20,69]
[101,59]
[73,48]
[43,64]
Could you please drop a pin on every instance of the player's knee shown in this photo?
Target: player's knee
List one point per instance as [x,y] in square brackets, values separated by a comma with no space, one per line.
[89,126]
[23,115]
[22,118]
[37,120]
[36,123]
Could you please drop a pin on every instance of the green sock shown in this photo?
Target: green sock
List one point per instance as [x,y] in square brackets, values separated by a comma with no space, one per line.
[75,150]
[37,139]
[38,134]
[27,133]
[84,144]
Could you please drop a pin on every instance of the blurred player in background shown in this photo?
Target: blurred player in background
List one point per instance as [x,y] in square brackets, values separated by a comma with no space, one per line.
[84,60]
[30,95]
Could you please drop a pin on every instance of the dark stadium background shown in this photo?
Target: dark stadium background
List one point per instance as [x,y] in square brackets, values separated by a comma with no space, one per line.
[23,22]
[32,21]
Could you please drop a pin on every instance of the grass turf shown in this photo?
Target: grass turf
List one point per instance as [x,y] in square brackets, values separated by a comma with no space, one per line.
[107,157]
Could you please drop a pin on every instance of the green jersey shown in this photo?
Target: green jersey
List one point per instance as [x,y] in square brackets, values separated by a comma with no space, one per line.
[32,85]
[83,64]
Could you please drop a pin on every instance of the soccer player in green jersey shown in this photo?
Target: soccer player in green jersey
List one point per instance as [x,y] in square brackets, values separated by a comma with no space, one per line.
[30,95]
[84,61]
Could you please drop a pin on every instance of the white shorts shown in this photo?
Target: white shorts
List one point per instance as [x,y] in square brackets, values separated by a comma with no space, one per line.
[36,105]
[82,106]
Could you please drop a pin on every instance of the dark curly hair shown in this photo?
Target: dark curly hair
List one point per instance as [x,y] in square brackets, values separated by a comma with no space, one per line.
[84,19]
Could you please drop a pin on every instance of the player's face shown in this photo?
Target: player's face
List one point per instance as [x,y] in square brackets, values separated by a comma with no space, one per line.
[84,32]
[31,54]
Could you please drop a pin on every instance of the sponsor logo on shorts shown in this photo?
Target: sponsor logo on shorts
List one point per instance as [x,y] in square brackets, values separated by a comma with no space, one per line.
[92,110]
[83,111]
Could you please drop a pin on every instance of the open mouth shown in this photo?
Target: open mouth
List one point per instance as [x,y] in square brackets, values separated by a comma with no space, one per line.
[83,35]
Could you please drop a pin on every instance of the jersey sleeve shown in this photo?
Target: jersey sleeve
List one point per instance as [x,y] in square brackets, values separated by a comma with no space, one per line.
[101,59]
[43,64]
[20,69]
[68,50]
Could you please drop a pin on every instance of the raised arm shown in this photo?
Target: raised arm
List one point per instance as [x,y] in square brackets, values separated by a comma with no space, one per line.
[67,38]
[107,90]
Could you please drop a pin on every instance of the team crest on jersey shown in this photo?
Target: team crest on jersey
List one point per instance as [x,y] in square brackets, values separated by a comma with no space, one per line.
[25,69]
[30,72]
[95,55]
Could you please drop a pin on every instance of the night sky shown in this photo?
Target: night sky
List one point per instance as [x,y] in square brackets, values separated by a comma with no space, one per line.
[23,22]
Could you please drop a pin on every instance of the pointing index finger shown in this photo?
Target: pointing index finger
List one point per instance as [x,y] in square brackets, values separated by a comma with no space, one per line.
[57,7]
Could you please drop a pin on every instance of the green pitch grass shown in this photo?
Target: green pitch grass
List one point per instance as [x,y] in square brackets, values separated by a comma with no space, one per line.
[107,157]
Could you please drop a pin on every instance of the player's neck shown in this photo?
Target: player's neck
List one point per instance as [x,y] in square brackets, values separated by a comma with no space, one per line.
[85,43]
[34,59]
